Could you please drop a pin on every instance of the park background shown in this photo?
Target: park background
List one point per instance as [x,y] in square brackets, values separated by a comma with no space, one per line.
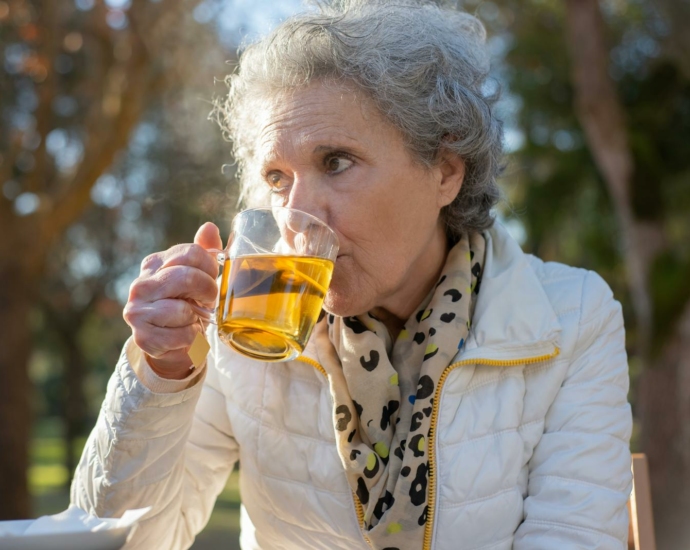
[107,154]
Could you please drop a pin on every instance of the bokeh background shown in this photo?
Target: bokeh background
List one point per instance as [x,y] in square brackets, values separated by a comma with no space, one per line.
[107,154]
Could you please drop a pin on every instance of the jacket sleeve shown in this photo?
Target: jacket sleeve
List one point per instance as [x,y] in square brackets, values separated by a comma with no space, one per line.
[579,474]
[171,451]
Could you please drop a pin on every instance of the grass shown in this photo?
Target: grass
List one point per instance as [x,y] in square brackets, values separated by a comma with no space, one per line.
[48,476]
[48,484]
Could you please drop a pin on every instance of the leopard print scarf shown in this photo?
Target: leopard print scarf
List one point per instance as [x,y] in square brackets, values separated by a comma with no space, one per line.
[383,395]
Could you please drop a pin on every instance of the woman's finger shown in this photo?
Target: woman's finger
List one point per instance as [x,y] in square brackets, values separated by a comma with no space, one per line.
[166,313]
[192,255]
[179,281]
[156,341]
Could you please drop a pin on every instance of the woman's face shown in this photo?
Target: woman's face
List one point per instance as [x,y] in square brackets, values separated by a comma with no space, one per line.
[328,153]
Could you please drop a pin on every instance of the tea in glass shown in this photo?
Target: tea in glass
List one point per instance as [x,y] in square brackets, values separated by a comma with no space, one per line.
[276,272]
[269,304]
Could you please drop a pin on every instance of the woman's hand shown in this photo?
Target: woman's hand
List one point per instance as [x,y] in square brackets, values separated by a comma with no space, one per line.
[162,320]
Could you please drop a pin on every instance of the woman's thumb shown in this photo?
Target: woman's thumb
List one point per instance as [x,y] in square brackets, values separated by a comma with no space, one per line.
[208,237]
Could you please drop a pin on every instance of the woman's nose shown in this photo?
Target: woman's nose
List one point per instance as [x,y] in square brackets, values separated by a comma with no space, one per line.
[306,196]
[304,233]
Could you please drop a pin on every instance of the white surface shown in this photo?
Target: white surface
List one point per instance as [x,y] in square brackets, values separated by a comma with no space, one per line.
[69,530]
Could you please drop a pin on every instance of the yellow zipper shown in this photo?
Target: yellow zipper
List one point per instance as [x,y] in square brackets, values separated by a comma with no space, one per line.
[431,503]
[429,527]
[313,363]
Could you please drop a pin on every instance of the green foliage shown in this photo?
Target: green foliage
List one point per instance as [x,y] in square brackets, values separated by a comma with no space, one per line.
[670,282]
[556,190]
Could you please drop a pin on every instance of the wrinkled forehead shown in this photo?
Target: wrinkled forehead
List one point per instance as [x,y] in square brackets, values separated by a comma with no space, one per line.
[298,121]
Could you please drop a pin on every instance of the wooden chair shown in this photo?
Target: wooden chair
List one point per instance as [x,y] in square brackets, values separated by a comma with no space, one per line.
[641,529]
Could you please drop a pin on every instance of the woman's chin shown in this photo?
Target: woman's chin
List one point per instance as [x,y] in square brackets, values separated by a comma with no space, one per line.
[342,303]
[347,296]
[336,306]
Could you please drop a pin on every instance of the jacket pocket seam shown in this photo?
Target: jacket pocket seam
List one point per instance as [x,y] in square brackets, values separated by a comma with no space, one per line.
[328,442]
[493,544]
[456,505]
[312,382]
[492,435]
[512,373]
[536,368]
[310,486]
[274,517]
[576,482]
[569,527]
[567,311]
[582,432]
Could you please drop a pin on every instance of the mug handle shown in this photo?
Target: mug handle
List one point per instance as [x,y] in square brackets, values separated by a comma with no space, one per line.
[205,314]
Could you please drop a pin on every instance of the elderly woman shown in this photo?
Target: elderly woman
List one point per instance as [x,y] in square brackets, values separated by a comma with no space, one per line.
[458,395]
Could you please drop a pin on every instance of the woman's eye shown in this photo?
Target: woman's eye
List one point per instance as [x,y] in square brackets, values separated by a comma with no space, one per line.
[336,165]
[276,181]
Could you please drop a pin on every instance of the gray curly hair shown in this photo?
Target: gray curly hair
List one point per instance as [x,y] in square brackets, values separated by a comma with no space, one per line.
[425,68]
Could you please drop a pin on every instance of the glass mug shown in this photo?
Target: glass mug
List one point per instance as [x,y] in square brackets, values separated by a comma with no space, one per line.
[276,271]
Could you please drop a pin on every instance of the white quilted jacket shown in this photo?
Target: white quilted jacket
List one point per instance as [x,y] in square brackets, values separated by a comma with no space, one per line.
[529,439]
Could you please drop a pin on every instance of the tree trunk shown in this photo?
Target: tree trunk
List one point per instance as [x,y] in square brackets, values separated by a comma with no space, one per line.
[602,118]
[664,404]
[117,96]
[16,296]
[67,323]
[664,387]
[75,402]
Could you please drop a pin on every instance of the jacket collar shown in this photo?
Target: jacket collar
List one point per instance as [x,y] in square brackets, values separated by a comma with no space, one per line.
[513,318]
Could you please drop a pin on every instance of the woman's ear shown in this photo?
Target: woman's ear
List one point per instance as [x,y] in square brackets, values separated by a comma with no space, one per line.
[452,171]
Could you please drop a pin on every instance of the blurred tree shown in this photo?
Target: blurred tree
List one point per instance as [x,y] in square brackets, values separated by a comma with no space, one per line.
[135,214]
[76,80]
[606,185]
[97,110]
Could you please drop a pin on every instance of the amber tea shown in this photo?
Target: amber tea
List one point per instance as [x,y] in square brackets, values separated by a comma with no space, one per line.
[270,303]
[276,271]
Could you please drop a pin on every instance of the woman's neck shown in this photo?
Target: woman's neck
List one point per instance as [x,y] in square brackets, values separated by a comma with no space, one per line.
[421,278]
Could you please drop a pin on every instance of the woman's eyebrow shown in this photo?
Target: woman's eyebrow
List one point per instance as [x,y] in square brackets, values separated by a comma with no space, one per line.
[319,149]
